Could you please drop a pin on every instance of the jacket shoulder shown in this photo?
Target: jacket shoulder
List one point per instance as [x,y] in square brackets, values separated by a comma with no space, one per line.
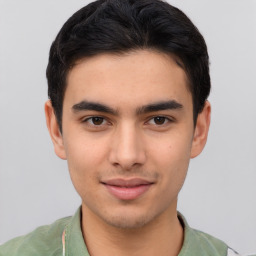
[45,240]
[211,244]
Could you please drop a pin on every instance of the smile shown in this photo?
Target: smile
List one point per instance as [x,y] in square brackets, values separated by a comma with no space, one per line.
[127,189]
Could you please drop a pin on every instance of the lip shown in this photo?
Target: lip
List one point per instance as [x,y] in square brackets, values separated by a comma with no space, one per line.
[127,189]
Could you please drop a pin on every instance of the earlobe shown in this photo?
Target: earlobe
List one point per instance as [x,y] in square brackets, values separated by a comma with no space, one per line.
[54,130]
[201,130]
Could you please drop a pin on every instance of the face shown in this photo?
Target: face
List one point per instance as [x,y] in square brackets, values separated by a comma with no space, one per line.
[128,135]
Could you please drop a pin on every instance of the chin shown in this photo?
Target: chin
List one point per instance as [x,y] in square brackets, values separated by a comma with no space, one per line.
[126,219]
[127,222]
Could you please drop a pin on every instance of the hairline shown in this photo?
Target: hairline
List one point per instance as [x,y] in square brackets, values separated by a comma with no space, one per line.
[171,55]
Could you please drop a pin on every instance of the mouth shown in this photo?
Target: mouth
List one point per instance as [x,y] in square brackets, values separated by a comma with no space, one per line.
[127,189]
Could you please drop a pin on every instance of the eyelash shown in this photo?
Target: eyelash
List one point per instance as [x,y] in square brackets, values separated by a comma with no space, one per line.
[166,120]
[89,121]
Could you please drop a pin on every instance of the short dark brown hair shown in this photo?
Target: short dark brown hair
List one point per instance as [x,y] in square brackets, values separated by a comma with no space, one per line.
[119,26]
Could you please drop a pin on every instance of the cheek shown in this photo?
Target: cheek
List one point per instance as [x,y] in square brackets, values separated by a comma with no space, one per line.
[173,149]
[85,158]
[171,158]
[84,151]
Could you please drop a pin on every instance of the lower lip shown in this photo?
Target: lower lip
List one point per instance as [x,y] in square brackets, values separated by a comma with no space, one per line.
[131,193]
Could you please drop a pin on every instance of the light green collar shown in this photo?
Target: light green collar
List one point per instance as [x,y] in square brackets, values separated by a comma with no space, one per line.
[196,243]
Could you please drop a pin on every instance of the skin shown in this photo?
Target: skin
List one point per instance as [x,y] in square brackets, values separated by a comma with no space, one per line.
[132,142]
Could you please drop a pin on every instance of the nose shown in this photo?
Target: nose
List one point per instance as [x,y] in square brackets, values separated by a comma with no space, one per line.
[128,149]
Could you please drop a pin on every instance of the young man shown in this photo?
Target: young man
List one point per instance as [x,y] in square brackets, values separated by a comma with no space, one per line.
[128,85]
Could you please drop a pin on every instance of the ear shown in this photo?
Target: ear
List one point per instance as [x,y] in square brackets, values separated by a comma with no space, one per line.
[201,130]
[54,130]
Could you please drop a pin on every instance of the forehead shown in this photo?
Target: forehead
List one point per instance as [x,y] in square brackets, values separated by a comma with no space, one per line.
[134,78]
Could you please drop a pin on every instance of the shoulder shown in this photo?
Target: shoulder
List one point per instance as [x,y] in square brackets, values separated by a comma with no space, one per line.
[199,243]
[204,244]
[208,241]
[210,245]
[45,240]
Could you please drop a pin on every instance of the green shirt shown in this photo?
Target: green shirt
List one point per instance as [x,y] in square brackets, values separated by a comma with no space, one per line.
[64,238]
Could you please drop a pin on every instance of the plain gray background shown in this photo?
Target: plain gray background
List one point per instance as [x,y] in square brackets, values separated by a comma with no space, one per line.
[220,192]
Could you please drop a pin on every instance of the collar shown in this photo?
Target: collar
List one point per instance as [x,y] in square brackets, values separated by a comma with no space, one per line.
[195,242]
[72,237]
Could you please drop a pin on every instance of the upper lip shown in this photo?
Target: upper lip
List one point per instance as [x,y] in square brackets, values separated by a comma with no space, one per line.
[127,182]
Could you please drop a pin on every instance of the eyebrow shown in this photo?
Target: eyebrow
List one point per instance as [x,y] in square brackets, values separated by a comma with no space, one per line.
[154,107]
[158,106]
[87,105]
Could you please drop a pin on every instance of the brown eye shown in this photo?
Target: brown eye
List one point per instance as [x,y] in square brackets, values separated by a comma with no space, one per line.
[159,120]
[97,120]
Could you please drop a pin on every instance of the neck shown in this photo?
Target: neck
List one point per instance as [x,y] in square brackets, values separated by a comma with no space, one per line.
[162,236]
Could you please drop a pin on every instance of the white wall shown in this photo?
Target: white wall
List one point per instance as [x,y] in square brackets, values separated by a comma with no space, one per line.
[220,192]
